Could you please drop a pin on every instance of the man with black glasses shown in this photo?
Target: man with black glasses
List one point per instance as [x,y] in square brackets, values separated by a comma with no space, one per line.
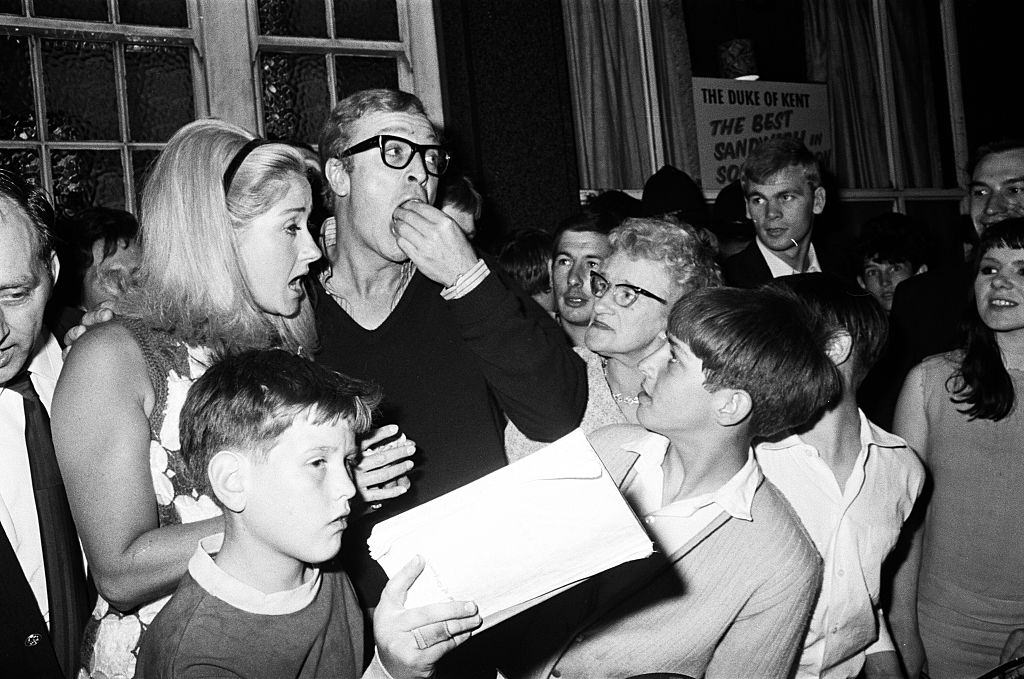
[407,303]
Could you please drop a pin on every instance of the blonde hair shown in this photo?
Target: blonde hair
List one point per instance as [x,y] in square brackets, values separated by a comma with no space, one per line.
[191,281]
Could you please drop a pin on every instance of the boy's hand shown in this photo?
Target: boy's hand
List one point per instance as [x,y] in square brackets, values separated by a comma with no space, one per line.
[411,641]
[100,314]
[381,473]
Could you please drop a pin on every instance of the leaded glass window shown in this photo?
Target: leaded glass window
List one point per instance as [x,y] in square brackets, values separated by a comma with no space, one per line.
[311,53]
[92,91]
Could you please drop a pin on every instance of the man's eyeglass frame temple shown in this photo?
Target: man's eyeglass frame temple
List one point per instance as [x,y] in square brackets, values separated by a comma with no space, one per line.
[380,140]
[608,286]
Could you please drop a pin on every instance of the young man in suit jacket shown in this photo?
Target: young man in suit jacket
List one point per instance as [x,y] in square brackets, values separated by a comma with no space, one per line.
[781,182]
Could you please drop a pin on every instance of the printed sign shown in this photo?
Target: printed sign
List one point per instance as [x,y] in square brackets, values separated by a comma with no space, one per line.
[735,116]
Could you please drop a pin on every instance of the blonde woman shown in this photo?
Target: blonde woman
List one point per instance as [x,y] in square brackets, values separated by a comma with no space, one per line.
[225,250]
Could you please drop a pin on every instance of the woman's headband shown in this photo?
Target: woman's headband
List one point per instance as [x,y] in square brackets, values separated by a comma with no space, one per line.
[236,162]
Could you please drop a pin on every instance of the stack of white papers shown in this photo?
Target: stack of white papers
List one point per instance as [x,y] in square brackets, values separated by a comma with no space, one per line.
[516,536]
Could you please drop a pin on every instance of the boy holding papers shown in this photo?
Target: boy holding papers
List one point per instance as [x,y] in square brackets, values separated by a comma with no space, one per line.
[274,437]
[730,592]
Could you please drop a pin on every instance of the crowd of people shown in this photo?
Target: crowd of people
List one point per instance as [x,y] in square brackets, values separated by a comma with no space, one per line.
[205,410]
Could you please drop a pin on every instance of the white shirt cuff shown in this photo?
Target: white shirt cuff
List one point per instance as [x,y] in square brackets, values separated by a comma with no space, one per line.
[467,281]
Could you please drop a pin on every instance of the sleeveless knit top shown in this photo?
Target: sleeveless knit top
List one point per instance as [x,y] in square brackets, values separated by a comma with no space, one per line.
[111,641]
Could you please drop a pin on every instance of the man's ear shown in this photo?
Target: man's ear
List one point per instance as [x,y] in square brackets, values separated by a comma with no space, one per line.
[819,200]
[337,176]
[733,406]
[839,347]
[860,282]
[921,269]
[229,474]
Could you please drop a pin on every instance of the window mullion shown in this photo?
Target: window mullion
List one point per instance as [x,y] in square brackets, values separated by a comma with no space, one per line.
[332,71]
[329,16]
[35,50]
[197,60]
[121,90]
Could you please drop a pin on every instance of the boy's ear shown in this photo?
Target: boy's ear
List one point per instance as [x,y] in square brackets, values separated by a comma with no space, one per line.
[337,176]
[733,407]
[228,472]
[921,269]
[839,347]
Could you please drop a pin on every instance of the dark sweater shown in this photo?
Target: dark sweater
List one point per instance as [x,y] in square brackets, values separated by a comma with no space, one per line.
[450,372]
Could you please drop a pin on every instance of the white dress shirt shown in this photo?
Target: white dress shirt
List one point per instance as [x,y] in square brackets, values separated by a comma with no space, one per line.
[854,529]
[780,267]
[673,525]
[17,499]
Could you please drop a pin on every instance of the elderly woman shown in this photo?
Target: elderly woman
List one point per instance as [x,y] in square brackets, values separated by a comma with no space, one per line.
[653,262]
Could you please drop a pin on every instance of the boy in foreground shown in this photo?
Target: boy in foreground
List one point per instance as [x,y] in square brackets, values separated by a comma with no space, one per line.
[853,485]
[274,436]
[731,589]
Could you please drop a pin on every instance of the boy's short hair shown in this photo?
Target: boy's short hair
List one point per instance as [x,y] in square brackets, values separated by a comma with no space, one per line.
[842,306]
[891,238]
[776,155]
[762,342]
[525,257]
[246,401]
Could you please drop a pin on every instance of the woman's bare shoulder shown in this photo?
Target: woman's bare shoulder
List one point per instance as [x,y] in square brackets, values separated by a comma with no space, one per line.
[110,349]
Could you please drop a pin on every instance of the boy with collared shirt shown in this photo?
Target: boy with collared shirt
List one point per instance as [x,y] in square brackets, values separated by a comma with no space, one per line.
[853,485]
[730,590]
[273,436]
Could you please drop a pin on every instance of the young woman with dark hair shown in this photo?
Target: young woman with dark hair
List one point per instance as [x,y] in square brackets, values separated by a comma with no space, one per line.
[960,412]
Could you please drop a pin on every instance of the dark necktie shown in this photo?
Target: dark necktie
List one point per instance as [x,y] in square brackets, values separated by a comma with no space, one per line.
[68,591]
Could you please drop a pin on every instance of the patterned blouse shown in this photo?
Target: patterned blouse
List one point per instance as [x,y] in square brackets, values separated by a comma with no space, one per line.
[111,641]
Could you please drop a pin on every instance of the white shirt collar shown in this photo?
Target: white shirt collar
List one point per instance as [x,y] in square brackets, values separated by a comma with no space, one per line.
[870,435]
[779,267]
[211,577]
[734,497]
[47,361]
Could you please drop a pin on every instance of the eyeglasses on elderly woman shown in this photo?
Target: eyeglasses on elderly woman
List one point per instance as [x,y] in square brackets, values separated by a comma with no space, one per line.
[623,294]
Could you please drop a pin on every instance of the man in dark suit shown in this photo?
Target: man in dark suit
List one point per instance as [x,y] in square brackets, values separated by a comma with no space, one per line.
[781,181]
[44,598]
